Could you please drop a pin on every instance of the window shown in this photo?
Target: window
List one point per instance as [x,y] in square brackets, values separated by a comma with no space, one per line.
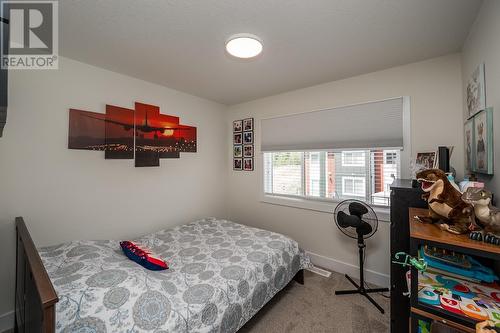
[390,157]
[332,175]
[353,158]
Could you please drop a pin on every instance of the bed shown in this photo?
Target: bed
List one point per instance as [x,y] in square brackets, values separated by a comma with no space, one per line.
[221,273]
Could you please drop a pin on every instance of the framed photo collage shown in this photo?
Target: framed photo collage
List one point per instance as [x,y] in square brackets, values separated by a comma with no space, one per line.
[243,144]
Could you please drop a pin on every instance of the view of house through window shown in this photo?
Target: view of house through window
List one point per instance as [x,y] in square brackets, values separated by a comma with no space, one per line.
[332,175]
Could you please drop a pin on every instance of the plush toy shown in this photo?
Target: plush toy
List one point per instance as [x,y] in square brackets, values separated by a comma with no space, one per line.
[143,258]
[487,216]
[446,206]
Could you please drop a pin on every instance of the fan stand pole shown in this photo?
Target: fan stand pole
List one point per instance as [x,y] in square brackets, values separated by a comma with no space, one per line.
[360,289]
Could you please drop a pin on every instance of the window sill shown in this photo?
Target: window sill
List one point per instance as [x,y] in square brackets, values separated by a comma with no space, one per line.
[383,213]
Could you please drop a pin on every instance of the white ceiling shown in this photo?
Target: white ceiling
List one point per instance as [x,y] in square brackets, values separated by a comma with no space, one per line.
[180,43]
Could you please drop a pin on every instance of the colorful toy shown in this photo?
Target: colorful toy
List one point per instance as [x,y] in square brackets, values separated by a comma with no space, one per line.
[477,270]
[419,264]
[142,257]
[475,301]
[487,216]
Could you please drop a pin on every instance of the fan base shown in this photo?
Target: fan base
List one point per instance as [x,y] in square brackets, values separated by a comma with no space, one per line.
[363,291]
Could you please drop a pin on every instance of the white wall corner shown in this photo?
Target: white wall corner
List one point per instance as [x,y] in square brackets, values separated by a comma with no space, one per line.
[6,321]
[379,279]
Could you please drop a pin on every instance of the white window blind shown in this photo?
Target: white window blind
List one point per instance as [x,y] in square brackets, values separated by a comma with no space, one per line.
[363,126]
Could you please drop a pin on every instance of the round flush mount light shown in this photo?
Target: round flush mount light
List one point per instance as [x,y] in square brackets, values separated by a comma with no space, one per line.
[244,46]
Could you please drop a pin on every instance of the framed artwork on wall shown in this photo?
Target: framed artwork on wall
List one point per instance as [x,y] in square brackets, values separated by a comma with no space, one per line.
[237,126]
[243,144]
[237,138]
[483,142]
[237,151]
[476,93]
[248,124]
[248,164]
[237,164]
[469,145]
[247,138]
[248,151]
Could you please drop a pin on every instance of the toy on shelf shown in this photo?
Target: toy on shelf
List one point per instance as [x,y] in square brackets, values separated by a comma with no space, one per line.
[457,264]
[459,297]
[487,216]
[446,206]
[419,264]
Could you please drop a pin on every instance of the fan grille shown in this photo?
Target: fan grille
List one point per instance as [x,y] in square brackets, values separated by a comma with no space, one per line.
[370,217]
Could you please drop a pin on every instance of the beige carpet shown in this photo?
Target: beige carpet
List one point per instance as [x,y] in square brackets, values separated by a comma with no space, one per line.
[314,307]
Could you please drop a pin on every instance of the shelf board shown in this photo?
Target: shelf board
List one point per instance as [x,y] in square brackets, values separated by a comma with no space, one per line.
[442,320]
[431,232]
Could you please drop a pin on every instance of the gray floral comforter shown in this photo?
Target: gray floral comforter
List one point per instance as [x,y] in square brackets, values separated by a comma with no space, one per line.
[221,273]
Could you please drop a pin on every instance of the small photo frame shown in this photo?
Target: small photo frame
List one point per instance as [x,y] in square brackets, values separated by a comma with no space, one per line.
[426,160]
[238,164]
[248,151]
[247,138]
[248,164]
[237,138]
[237,151]
[237,126]
[248,124]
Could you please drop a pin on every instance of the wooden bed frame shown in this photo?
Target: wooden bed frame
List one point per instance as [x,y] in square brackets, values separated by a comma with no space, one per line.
[35,295]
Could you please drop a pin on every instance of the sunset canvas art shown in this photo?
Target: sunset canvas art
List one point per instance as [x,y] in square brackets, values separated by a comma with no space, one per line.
[156,135]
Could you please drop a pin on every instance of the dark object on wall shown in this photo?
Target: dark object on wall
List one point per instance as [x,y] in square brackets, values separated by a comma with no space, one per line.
[156,135]
[403,196]
[4,75]
[444,159]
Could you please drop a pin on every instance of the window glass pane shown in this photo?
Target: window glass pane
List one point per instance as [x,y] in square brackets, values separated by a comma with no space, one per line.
[287,173]
[334,175]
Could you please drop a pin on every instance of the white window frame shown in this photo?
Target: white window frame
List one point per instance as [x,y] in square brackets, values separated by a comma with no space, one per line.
[345,164]
[354,179]
[328,206]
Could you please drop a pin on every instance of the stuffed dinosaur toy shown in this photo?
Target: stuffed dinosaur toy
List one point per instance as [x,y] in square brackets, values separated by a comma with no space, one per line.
[487,216]
[446,207]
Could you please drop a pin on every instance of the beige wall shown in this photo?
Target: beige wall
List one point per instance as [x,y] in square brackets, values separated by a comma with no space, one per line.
[72,194]
[483,46]
[435,89]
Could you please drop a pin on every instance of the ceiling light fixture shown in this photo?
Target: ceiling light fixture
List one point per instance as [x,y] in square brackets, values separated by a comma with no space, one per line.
[244,46]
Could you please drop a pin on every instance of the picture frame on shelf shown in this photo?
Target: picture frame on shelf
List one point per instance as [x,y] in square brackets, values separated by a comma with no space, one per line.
[238,151]
[248,124]
[237,164]
[248,151]
[483,142]
[237,126]
[426,160]
[248,164]
[247,138]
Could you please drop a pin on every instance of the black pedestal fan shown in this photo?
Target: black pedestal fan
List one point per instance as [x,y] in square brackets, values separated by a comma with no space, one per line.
[358,220]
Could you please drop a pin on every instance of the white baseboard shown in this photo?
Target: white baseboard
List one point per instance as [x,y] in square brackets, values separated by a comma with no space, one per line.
[379,279]
[6,321]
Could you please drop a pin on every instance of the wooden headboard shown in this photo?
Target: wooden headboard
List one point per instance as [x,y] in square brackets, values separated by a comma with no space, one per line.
[35,295]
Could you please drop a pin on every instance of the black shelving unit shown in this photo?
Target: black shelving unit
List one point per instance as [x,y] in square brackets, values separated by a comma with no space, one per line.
[430,235]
